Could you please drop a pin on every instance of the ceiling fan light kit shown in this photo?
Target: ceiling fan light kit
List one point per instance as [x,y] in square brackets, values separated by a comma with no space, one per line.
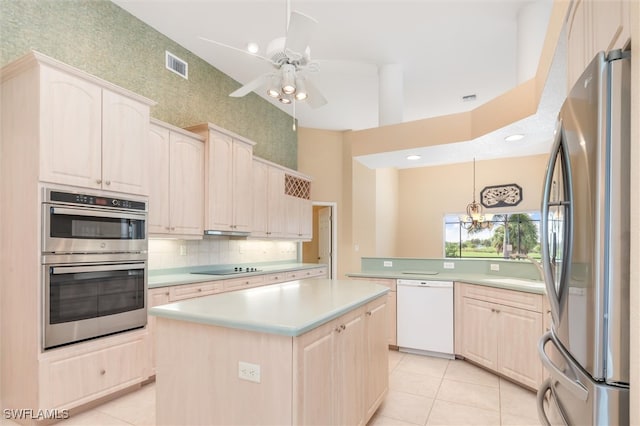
[291,57]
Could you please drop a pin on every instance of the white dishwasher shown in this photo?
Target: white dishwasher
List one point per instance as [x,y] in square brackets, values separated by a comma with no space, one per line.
[425,317]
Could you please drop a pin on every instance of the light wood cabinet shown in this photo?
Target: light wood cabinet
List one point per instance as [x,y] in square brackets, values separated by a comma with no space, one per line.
[594,26]
[74,376]
[269,216]
[155,297]
[342,368]
[108,131]
[499,329]
[299,209]
[392,319]
[228,181]
[377,377]
[176,190]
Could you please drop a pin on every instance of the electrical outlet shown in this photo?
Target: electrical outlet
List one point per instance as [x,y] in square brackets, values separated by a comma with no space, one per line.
[449,265]
[357,247]
[495,266]
[183,250]
[248,371]
[388,264]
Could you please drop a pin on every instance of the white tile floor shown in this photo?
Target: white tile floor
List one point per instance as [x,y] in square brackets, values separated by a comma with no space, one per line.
[422,391]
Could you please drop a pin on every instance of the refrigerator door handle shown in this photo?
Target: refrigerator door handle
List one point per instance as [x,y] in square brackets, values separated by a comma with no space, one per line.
[545,388]
[547,266]
[574,387]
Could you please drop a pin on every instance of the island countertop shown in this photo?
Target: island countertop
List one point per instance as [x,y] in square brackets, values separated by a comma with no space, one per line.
[290,309]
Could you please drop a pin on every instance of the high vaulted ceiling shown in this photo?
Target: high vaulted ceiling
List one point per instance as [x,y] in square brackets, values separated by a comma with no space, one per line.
[446,49]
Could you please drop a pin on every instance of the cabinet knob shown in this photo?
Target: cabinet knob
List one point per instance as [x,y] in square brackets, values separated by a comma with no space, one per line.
[103,371]
[98,181]
[199,289]
[338,330]
[342,326]
[108,182]
[173,228]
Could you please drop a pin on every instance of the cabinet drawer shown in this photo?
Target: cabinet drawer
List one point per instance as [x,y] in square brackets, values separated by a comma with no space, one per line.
[244,282]
[75,380]
[517,299]
[181,292]
[275,278]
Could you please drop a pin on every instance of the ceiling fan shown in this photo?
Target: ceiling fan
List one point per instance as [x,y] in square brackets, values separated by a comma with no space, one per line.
[290,56]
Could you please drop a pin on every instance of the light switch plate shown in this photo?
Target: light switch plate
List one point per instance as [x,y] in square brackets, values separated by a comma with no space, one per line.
[495,266]
[449,265]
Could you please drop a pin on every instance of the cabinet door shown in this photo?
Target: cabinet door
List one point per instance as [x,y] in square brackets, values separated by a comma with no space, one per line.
[276,208]
[314,372]
[158,160]
[292,214]
[392,333]
[70,130]
[242,186]
[518,333]
[260,174]
[186,185]
[306,219]
[349,377]
[480,341]
[609,31]
[156,297]
[218,185]
[579,41]
[377,367]
[125,137]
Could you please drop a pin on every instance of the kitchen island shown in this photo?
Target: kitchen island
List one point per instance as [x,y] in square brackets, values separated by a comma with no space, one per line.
[303,352]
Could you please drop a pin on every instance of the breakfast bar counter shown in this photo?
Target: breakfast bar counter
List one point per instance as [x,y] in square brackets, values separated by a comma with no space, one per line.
[300,352]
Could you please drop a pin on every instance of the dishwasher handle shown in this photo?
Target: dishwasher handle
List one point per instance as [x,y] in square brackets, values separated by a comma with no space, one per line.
[418,283]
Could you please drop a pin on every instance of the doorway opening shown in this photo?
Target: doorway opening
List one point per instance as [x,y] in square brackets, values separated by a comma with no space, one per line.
[323,248]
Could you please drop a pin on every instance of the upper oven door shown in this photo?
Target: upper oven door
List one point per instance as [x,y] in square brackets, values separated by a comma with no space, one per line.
[71,229]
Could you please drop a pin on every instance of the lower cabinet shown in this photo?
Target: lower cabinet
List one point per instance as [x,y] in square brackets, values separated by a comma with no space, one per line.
[392,331]
[75,375]
[499,329]
[342,368]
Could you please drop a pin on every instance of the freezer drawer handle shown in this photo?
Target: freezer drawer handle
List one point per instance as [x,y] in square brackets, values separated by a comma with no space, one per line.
[575,388]
[542,392]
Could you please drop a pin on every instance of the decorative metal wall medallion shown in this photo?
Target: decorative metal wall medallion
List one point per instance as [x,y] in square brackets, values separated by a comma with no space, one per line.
[501,195]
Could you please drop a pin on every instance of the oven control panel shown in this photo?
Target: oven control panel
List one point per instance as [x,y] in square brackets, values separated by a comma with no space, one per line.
[95,200]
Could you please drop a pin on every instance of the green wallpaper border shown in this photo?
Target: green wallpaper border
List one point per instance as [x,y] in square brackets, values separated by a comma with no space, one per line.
[102,39]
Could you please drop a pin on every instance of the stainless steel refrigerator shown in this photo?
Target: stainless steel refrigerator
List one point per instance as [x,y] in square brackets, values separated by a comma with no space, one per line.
[585,251]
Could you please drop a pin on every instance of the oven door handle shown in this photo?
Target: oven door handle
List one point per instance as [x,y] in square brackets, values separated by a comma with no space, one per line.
[57,270]
[95,213]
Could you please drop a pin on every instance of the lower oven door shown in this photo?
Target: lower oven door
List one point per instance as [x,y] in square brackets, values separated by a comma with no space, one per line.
[88,300]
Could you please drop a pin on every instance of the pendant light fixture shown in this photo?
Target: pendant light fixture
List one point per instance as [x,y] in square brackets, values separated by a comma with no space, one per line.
[475,218]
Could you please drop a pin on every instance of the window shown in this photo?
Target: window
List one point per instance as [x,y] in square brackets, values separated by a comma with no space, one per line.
[521,239]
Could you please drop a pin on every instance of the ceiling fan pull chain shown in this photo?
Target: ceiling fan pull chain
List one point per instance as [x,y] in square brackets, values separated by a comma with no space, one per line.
[294,115]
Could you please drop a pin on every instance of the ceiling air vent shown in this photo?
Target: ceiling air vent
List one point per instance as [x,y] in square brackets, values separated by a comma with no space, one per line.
[469,98]
[177,65]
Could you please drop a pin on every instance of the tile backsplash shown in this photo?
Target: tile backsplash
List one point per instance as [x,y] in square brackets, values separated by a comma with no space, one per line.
[165,254]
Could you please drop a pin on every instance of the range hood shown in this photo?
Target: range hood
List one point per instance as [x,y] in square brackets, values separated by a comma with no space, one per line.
[227,233]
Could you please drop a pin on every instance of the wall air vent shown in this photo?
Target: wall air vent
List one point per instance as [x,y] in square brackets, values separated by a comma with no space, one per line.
[177,65]
[469,98]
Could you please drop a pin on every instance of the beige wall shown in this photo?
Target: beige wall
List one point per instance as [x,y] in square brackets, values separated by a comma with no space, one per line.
[386,212]
[426,194]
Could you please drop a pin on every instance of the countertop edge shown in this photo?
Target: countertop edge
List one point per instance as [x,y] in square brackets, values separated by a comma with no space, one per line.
[184,278]
[277,329]
[464,278]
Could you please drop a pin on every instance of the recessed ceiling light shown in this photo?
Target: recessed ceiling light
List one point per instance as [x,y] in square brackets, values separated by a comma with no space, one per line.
[515,137]
[253,47]
[413,157]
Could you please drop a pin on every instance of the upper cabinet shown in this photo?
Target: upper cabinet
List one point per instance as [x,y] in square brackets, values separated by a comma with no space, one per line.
[594,26]
[176,183]
[281,202]
[228,181]
[91,136]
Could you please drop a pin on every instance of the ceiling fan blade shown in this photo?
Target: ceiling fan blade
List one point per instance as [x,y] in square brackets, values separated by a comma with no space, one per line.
[315,98]
[234,48]
[250,86]
[301,28]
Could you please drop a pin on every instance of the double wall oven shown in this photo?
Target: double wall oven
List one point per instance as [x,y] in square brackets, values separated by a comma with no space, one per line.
[94,266]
